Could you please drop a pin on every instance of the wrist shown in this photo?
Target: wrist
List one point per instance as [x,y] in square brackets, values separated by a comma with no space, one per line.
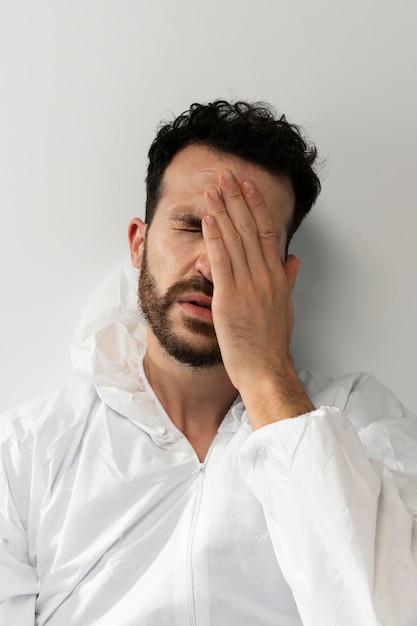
[275,398]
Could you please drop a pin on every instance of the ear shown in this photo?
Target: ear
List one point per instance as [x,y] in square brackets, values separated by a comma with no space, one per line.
[136,235]
[291,267]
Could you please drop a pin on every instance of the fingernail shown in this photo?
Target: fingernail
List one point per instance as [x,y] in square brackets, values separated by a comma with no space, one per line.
[209,219]
[248,187]
[228,176]
[213,194]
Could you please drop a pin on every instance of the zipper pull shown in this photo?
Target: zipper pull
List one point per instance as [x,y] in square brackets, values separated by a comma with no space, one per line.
[199,469]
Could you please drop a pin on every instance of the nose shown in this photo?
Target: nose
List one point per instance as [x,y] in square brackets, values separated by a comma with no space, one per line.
[202,265]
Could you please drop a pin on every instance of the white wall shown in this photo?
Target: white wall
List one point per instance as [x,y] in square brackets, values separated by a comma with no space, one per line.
[83,86]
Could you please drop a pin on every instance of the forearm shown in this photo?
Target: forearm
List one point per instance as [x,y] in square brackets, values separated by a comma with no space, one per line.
[341,534]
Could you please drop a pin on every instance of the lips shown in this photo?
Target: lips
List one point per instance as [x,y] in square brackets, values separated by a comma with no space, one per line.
[197,299]
[197,306]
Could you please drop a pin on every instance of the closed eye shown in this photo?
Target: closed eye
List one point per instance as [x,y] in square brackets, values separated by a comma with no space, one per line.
[187,223]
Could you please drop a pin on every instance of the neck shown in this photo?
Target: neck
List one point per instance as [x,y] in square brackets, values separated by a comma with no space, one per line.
[196,399]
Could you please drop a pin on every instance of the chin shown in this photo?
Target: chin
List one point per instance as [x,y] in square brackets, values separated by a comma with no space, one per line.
[199,354]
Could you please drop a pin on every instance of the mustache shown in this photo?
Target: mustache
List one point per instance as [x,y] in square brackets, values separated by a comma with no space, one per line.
[196,284]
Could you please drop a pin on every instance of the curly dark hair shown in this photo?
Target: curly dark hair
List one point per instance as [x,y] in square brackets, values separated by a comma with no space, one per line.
[251,132]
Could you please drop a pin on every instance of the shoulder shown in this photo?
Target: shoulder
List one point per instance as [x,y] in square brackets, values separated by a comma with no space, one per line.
[41,421]
[37,435]
[358,395]
[387,430]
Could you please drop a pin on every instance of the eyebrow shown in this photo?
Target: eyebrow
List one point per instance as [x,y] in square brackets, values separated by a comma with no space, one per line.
[186,219]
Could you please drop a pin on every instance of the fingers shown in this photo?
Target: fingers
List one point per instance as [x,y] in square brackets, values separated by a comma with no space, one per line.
[252,309]
[245,224]
[220,262]
[262,218]
[227,239]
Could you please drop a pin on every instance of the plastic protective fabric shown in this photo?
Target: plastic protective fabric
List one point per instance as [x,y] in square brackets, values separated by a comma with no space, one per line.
[108,517]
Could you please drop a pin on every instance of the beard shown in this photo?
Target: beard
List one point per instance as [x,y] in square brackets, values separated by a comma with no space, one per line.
[156,309]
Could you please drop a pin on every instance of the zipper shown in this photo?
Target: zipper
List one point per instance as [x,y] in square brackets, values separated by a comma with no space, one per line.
[199,470]
[190,578]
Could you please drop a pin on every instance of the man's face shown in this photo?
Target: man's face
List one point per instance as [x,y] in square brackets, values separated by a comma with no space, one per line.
[175,284]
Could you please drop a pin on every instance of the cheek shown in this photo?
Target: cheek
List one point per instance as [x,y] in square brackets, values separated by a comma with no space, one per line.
[168,261]
[163,250]
[166,257]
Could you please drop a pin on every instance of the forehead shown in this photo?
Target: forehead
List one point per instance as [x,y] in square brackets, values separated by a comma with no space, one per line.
[195,168]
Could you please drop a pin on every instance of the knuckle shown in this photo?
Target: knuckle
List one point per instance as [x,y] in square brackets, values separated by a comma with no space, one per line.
[220,211]
[235,240]
[248,228]
[258,204]
[221,259]
[234,194]
[267,233]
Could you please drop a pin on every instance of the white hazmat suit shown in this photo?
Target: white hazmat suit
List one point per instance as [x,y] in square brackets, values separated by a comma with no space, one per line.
[108,518]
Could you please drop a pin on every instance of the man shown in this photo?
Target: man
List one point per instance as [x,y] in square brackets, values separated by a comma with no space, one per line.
[198,479]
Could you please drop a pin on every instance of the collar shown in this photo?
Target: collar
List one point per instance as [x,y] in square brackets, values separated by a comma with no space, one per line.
[108,349]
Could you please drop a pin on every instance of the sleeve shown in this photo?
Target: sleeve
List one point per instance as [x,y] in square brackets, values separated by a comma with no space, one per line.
[18,578]
[343,537]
